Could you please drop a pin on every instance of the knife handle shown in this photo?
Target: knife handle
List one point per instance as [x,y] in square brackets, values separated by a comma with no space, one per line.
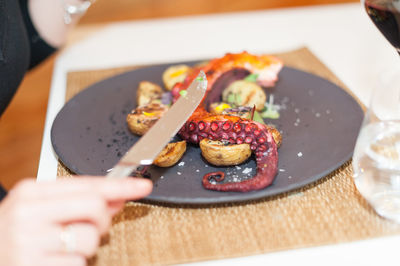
[120,171]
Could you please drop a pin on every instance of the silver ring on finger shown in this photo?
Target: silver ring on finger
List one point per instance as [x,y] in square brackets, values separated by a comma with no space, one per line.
[68,239]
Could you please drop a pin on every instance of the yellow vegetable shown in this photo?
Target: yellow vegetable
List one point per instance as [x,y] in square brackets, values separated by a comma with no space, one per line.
[177,73]
[222,107]
[149,114]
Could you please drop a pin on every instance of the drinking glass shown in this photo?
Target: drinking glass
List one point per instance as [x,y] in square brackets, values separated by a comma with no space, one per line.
[376,158]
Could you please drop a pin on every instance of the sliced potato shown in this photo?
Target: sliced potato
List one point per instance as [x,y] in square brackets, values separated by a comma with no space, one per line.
[174,74]
[171,154]
[245,93]
[147,92]
[144,117]
[218,153]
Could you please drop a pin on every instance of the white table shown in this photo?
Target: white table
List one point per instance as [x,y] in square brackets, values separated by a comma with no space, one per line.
[340,35]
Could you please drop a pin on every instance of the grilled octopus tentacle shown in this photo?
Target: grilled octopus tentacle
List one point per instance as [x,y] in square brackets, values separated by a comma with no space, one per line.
[237,131]
[222,71]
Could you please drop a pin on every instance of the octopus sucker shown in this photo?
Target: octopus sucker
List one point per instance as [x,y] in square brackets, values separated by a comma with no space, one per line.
[217,176]
[233,129]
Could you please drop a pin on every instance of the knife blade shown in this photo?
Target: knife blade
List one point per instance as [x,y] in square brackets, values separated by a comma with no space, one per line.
[146,149]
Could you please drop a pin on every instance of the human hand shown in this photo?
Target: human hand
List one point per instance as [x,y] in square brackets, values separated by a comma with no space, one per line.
[61,223]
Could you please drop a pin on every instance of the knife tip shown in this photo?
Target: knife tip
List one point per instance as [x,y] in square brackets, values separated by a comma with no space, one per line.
[203,79]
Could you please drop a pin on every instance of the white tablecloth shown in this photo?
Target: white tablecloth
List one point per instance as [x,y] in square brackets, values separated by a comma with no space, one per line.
[340,35]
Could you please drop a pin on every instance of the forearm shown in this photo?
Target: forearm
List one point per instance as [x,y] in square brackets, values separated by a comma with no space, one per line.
[48,18]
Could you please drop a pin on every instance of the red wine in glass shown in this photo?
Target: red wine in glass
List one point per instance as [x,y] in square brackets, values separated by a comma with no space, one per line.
[386,16]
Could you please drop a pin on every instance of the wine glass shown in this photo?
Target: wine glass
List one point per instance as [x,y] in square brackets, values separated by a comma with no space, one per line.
[386,16]
[376,159]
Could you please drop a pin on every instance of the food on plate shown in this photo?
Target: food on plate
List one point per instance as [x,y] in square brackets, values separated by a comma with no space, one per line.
[244,93]
[275,134]
[270,110]
[147,92]
[144,117]
[174,74]
[141,119]
[244,112]
[233,129]
[218,107]
[241,111]
[171,154]
[222,71]
[236,130]
[223,153]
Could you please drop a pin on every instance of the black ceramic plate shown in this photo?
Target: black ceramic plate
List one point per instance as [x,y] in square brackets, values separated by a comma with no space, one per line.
[319,124]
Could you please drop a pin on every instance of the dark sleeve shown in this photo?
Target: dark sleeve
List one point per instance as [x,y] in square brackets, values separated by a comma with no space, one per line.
[40,50]
[3,193]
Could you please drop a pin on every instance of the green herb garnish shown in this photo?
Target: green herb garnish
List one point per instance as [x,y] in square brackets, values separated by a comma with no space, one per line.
[200,78]
[270,110]
[183,93]
[272,114]
[251,78]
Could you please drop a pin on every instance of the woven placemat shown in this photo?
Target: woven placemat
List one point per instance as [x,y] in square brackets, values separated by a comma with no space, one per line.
[326,212]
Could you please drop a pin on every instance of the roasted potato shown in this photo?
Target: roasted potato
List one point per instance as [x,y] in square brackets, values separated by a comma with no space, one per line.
[222,154]
[147,92]
[244,93]
[144,117]
[171,154]
[276,135]
[174,74]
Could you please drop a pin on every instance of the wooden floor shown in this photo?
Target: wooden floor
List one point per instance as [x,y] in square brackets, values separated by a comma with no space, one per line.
[21,126]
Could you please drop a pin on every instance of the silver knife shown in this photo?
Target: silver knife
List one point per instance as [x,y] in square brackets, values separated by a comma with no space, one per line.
[151,144]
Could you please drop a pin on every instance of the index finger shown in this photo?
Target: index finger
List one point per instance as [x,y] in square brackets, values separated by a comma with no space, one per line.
[111,189]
